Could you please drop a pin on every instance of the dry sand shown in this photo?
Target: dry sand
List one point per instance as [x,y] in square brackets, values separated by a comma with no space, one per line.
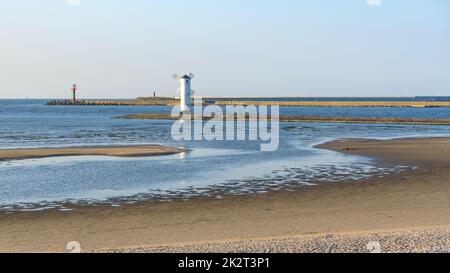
[426,240]
[118,151]
[408,212]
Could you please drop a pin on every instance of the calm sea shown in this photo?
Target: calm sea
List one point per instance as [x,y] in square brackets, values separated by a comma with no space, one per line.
[213,169]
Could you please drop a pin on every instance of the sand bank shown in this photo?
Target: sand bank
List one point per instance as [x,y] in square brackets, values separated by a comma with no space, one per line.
[316,119]
[426,153]
[400,207]
[117,151]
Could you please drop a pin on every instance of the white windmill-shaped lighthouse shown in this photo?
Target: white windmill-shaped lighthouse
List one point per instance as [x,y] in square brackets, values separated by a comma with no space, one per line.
[184,91]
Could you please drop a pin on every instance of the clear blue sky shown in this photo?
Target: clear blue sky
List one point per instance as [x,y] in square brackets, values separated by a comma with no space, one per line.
[125,49]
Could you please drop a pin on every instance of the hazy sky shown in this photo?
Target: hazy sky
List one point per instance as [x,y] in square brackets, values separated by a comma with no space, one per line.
[126,49]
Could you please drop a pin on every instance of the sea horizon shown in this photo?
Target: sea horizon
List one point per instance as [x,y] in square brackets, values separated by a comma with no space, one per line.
[306,98]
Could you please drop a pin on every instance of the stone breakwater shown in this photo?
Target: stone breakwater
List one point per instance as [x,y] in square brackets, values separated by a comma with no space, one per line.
[137,102]
[168,101]
[414,104]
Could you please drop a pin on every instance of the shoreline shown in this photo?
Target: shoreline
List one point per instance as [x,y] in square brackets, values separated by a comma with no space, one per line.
[351,213]
[113,151]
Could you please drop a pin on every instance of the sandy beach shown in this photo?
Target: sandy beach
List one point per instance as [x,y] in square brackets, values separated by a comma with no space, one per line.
[404,212]
[117,151]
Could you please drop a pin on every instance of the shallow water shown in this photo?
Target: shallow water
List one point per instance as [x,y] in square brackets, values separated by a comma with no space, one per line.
[209,169]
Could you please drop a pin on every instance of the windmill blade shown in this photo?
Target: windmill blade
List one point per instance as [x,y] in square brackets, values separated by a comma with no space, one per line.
[178,91]
[193,92]
[191,75]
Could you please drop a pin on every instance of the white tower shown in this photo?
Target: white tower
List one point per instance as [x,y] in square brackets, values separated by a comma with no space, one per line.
[184,90]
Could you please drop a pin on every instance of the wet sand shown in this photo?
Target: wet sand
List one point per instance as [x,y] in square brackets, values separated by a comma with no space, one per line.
[408,212]
[117,151]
